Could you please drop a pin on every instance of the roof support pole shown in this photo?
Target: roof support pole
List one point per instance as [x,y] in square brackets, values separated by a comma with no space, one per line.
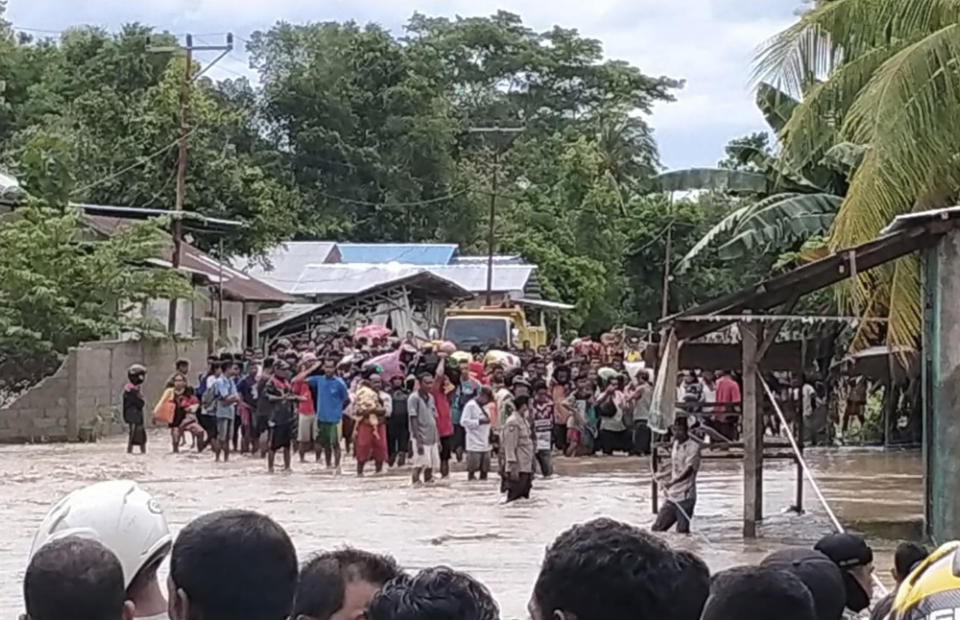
[751,334]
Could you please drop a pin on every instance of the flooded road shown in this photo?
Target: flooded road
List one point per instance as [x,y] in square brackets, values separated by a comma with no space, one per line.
[462,524]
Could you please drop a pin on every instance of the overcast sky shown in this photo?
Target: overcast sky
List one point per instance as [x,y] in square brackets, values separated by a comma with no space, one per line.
[709,43]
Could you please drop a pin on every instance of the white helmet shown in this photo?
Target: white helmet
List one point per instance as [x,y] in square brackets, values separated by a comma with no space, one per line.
[119,514]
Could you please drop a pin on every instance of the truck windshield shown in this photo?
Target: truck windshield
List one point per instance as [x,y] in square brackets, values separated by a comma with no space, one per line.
[468,332]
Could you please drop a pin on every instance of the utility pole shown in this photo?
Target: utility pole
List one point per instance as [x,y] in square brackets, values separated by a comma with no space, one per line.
[665,309]
[510,133]
[491,237]
[188,79]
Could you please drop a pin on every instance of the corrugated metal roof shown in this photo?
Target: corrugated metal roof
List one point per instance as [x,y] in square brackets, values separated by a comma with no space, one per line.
[498,259]
[286,262]
[350,279]
[236,285]
[473,277]
[404,253]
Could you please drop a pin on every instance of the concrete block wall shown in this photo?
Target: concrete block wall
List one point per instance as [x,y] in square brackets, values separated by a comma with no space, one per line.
[41,413]
[84,396]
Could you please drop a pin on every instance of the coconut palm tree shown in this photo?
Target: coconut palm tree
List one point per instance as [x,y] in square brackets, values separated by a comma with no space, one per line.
[884,74]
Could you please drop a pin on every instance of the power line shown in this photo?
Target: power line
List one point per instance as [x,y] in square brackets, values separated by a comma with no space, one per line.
[414,203]
[137,164]
[40,30]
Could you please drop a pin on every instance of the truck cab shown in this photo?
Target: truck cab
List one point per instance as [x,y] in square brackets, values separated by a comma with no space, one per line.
[490,328]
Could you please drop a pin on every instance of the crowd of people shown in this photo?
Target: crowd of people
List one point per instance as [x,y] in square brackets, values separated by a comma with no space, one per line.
[97,554]
[396,402]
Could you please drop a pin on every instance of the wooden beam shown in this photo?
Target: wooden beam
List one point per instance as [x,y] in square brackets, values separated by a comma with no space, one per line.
[803,280]
[770,331]
[750,334]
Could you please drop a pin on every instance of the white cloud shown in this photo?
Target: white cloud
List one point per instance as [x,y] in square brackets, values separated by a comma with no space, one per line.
[708,43]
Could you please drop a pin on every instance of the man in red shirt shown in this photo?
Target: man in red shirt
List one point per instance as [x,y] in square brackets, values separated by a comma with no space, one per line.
[307,418]
[727,391]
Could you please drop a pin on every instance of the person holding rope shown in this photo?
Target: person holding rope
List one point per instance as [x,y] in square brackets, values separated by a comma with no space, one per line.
[680,483]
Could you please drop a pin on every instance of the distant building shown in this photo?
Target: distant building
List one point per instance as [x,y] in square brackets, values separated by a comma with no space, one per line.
[336,284]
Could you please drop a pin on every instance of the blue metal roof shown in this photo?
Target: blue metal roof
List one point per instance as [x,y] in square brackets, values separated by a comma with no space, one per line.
[405,253]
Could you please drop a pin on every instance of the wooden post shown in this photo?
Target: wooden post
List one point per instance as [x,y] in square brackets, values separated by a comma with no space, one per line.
[654,470]
[750,335]
[798,501]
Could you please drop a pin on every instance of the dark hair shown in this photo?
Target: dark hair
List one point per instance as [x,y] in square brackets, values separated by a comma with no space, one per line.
[753,592]
[182,362]
[439,593]
[323,580]
[268,363]
[692,586]
[75,578]
[907,556]
[486,391]
[227,365]
[538,385]
[521,401]
[234,565]
[631,571]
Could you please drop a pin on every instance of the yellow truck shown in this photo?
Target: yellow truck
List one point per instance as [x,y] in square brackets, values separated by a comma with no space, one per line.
[491,328]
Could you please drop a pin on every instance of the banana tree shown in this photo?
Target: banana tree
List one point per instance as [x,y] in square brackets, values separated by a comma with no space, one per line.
[785,206]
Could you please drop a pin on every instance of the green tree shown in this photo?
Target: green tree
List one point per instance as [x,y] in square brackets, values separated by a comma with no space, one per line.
[882,75]
[779,206]
[118,107]
[58,287]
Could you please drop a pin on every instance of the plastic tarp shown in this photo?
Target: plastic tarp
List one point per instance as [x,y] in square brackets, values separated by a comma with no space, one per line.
[663,404]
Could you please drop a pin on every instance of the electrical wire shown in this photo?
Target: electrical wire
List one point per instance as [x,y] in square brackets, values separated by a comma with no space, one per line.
[413,203]
[137,164]
[808,473]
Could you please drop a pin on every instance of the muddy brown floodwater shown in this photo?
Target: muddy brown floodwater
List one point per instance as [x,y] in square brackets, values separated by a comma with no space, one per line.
[461,524]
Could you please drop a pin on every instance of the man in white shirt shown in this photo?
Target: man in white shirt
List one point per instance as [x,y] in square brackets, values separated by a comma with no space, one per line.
[476,423]
[680,483]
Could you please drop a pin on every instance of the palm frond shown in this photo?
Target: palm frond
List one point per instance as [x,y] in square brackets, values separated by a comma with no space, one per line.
[777,221]
[909,113]
[787,207]
[775,236]
[726,225]
[715,179]
[813,127]
[832,32]
[844,157]
[906,309]
[776,106]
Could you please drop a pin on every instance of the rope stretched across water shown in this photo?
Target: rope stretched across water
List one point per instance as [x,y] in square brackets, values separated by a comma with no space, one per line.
[809,474]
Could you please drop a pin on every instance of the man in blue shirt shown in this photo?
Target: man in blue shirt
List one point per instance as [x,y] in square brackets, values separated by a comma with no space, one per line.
[332,395]
[225,390]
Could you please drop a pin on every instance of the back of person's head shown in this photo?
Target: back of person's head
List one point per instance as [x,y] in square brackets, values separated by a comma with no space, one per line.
[631,571]
[74,578]
[437,593]
[322,587]
[123,517]
[232,565]
[906,558]
[758,592]
[692,586]
[818,572]
[854,557]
